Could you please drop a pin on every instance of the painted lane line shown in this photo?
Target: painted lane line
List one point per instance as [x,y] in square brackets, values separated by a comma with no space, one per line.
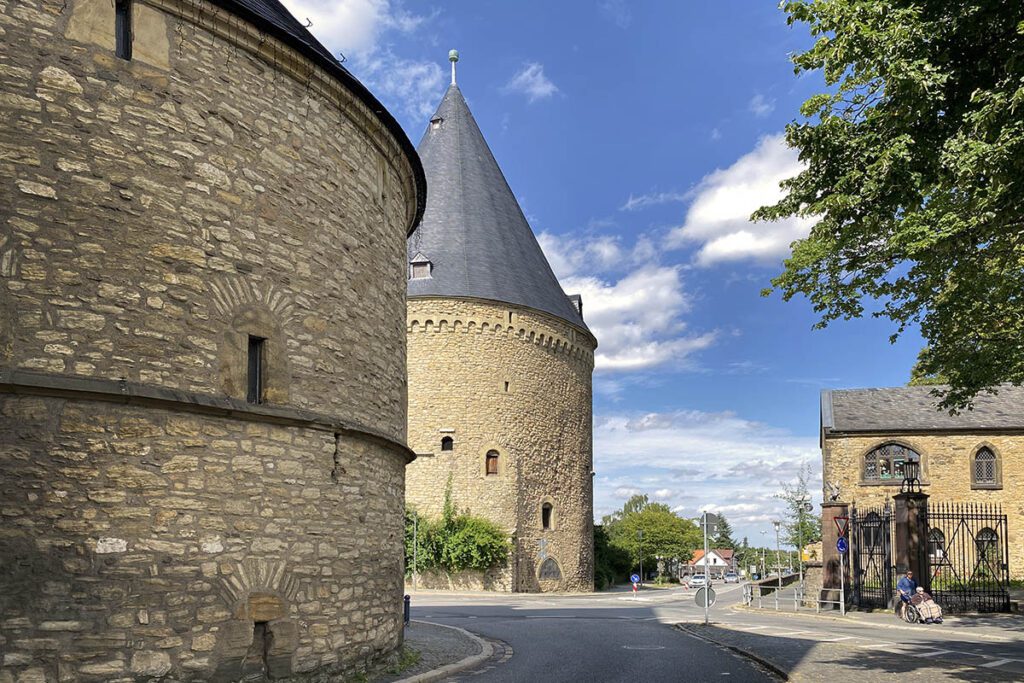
[836,640]
[998,662]
[935,653]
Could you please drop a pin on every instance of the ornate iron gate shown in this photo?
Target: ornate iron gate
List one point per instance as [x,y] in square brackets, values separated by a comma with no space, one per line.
[871,556]
[968,555]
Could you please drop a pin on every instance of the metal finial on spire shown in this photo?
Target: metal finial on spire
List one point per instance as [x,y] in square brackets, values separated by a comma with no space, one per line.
[453,56]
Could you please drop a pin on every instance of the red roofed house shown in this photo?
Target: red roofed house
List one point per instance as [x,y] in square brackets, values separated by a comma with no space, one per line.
[720,561]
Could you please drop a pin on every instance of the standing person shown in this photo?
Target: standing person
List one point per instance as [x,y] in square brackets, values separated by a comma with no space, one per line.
[906,587]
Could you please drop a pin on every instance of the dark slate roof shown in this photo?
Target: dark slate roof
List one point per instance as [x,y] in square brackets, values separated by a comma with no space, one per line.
[473,231]
[271,17]
[903,409]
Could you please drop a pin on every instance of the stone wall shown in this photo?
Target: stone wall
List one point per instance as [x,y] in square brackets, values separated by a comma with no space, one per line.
[496,579]
[153,218]
[140,542]
[945,474]
[155,213]
[499,377]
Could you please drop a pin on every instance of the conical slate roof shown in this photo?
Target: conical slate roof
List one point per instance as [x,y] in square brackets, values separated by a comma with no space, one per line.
[473,232]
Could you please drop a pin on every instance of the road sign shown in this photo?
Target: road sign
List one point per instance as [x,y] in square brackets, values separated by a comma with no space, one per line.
[843,524]
[842,546]
[699,598]
[635,578]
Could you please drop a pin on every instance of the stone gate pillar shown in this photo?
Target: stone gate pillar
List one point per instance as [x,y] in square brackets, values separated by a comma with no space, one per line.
[830,562]
[911,551]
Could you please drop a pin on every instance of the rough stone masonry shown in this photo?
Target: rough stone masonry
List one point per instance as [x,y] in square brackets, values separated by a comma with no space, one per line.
[202,347]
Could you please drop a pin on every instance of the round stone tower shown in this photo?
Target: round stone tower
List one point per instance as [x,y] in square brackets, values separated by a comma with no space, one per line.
[203,218]
[500,364]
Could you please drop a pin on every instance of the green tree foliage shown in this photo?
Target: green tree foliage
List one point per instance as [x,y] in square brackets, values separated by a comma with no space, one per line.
[914,159]
[920,378]
[799,525]
[665,534]
[611,563]
[723,535]
[455,542]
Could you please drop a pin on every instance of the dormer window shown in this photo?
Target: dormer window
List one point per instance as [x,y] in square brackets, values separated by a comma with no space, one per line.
[436,122]
[420,267]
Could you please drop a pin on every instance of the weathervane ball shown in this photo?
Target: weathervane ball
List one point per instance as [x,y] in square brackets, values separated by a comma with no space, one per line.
[453,55]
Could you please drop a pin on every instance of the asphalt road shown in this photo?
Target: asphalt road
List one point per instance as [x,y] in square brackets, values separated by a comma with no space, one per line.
[587,638]
[613,637]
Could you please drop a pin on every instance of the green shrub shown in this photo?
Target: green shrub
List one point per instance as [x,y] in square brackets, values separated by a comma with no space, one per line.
[456,542]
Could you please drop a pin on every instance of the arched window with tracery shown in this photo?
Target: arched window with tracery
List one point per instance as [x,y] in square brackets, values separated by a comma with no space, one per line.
[886,462]
[936,546]
[990,554]
[985,469]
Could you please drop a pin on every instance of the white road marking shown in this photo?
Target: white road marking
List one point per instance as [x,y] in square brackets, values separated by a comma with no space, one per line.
[998,662]
[933,653]
[836,640]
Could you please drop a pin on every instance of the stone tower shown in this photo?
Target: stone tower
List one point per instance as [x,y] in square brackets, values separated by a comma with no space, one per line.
[500,364]
[203,220]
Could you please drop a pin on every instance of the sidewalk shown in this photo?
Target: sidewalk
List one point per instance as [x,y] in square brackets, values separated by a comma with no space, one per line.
[999,623]
[438,651]
[794,659]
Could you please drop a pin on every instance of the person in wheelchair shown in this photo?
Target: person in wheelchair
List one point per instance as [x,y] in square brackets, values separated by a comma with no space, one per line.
[927,609]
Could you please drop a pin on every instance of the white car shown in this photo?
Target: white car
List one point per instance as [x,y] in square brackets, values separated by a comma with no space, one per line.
[732,577]
[698,581]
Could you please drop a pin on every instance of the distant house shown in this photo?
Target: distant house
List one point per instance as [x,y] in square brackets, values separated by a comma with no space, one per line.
[719,561]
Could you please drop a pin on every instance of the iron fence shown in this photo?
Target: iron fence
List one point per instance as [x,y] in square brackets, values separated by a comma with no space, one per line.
[968,557]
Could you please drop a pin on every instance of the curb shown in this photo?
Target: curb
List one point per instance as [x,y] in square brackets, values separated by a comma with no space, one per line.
[772,667]
[486,650]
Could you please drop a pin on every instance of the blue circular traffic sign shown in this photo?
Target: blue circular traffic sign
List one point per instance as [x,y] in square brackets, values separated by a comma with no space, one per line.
[635,578]
[842,546]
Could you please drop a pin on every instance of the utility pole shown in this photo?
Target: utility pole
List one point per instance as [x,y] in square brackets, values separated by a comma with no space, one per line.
[415,545]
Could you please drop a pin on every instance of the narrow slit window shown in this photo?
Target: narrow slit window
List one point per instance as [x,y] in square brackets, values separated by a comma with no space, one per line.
[256,370]
[123,29]
[506,387]
[545,516]
[492,462]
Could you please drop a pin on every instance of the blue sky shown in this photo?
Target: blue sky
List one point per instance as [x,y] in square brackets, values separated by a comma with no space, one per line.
[638,138]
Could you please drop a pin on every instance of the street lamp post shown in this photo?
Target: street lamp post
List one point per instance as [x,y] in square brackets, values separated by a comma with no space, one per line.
[640,538]
[778,552]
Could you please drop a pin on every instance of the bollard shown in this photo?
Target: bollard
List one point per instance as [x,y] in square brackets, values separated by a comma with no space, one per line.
[406,610]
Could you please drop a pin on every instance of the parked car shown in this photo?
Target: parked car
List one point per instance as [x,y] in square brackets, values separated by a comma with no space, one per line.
[731,577]
[698,581]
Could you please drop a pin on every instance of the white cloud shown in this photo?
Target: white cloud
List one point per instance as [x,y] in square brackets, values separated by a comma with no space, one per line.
[417,85]
[695,461]
[719,217]
[532,82]
[618,12]
[760,105]
[358,29]
[635,203]
[632,304]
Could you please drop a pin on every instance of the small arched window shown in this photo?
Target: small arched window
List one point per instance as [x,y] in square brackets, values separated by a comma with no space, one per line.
[545,516]
[492,463]
[985,469]
[886,462]
[447,443]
